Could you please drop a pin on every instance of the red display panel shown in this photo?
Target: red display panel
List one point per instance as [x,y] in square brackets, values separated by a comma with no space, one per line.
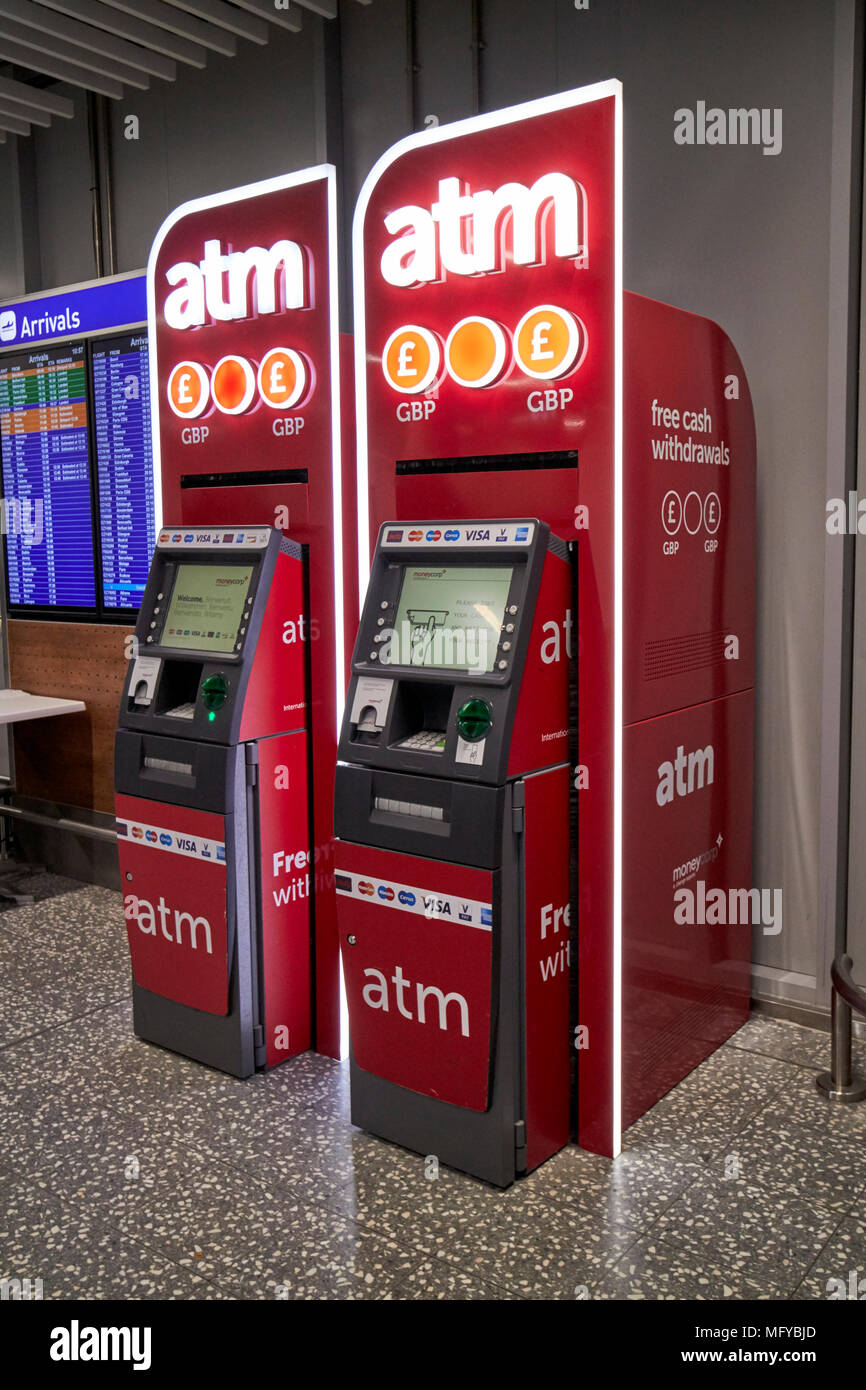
[419,974]
[547,963]
[688,826]
[285,879]
[277,461]
[689,512]
[173,870]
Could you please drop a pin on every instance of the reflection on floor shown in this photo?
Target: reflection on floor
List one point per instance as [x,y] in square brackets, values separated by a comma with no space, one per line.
[130,1173]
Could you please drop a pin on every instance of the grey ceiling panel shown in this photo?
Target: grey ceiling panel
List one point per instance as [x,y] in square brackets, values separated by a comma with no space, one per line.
[14,125]
[179,22]
[32,114]
[37,98]
[287,19]
[56,67]
[138,31]
[245,25]
[85,36]
[45,42]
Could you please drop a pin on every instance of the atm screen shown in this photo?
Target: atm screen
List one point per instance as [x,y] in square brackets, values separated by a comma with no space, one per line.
[206,606]
[449,616]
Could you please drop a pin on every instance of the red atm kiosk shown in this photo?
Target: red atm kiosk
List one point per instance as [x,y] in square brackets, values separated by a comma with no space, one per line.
[213,719]
[452,853]
[502,371]
[245,391]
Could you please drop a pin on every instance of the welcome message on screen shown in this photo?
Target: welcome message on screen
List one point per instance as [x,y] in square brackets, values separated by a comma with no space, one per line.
[206,606]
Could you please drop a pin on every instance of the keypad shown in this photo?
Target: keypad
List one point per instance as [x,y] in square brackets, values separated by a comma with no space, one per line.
[427,741]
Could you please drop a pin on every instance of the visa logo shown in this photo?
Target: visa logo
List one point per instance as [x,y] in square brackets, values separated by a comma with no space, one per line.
[406,898]
[437,907]
[185,844]
[465,913]
[503,535]
[478,535]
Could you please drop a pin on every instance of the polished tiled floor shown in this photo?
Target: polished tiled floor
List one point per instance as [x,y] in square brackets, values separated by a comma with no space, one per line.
[128,1172]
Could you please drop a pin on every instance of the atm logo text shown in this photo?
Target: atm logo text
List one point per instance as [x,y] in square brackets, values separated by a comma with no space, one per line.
[225,286]
[466,233]
[172,922]
[376,995]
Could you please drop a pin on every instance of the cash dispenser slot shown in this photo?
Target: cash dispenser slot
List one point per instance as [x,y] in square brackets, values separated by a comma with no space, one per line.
[420,717]
[178,688]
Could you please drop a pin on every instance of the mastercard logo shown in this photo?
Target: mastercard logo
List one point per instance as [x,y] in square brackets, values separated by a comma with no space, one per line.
[476,351]
[282,378]
[366,888]
[411,359]
[416,535]
[548,342]
[188,390]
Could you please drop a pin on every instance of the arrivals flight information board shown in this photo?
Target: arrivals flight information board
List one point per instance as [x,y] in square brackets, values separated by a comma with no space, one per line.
[46,478]
[124,466]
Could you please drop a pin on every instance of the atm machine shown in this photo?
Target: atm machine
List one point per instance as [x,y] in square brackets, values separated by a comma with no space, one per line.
[452,803]
[212,809]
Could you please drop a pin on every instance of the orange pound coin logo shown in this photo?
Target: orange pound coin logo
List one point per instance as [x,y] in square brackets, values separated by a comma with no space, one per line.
[233,384]
[475,352]
[548,342]
[282,378]
[188,390]
[411,359]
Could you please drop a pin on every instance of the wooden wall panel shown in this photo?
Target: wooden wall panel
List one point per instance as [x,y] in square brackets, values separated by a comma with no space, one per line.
[69,759]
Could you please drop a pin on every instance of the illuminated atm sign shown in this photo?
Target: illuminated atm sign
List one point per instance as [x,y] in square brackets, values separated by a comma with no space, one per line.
[241,308]
[484,267]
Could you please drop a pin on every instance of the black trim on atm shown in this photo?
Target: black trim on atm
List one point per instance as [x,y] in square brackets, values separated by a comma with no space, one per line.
[489,463]
[489,1144]
[259,477]
[471,827]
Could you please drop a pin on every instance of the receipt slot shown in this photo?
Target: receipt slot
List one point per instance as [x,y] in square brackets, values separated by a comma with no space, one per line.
[452,853]
[211,800]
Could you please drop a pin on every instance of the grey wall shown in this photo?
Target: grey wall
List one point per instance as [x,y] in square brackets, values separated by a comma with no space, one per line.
[726,232]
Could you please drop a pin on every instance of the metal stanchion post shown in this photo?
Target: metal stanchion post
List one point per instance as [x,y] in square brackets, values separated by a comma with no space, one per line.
[839,1083]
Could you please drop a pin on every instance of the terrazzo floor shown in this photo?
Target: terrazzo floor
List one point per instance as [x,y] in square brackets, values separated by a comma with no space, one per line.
[130,1173]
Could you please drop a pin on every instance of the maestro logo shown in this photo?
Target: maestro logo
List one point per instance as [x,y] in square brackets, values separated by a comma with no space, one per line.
[8,325]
